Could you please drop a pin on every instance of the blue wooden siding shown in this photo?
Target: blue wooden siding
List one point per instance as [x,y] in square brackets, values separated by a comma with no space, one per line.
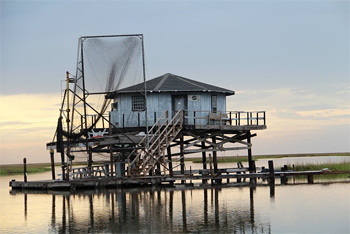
[157,103]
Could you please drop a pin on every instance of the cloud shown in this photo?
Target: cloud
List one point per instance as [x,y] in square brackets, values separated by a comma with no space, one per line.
[27,123]
[299,116]
[326,113]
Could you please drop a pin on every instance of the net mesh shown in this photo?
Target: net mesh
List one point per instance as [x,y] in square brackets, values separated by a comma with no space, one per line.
[105,64]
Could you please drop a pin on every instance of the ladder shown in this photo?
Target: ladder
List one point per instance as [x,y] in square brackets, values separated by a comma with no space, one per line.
[162,133]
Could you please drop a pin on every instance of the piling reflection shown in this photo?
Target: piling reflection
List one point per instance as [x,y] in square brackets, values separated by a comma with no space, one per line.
[149,210]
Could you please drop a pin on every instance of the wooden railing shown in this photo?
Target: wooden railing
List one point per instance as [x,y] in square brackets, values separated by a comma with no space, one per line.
[160,136]
[96,171]
[86,172]
[233,118]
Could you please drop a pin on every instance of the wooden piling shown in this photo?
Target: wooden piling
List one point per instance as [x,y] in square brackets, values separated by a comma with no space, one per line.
[253,166]
[204,161]
[90,161]
[272,178]
[52,163]
[25,169]
[310,179]
[250,161]
[253,180]
[171,173]
[284,179]
[204,157]
[271,169]
[215,161]
[182,158]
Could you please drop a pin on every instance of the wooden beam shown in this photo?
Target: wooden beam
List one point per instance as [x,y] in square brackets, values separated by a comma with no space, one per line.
[209,150]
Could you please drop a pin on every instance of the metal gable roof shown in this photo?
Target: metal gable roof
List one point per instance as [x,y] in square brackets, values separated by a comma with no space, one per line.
[173,83]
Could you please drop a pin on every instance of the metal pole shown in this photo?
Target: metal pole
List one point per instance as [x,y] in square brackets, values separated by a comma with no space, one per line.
[84,90]
[67,120]
[111,148]
[145,89]
[75,86]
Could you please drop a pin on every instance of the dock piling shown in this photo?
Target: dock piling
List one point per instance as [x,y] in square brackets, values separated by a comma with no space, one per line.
[25,169]
[272,178]
[52,163]
[310,179]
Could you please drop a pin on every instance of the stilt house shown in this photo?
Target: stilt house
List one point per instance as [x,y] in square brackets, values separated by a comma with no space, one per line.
[152,125]
[170,93]
[183,117]
[179,108]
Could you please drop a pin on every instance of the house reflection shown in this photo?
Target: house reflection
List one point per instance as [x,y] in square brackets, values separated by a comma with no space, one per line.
[149,210]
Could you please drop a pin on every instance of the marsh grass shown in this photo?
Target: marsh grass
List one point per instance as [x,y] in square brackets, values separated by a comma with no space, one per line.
[344,166]
[221,159]
[233,159]
[18,169]
[338,166]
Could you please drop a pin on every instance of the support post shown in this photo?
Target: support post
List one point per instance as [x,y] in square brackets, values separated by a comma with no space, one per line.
[67,168]
[52,164]
[182,160]
[250,160]
[204,160]
[310,179]
[111,148]
[272,178]
[253,180]
[215,156]
[204,156]
[215,161]
[90,162]
[171,173]
[60,146]
[25,169]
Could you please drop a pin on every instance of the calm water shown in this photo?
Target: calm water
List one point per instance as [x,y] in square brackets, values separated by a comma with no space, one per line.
[295,208]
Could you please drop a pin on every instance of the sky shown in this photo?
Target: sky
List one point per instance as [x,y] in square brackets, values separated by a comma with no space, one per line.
[288,58]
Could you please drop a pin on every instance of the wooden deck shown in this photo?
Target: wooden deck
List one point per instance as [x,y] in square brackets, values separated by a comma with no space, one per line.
[105,182]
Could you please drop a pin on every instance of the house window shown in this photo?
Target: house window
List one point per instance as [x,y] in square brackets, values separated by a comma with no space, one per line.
[214,103]
[138,103]
[115,106]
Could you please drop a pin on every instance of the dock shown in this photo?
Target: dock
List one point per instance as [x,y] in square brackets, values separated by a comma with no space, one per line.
[225,176]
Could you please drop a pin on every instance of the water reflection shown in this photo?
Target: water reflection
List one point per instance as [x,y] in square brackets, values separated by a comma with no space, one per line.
[150,210]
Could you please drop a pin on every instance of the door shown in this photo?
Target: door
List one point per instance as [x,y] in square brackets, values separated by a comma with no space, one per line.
[179,103]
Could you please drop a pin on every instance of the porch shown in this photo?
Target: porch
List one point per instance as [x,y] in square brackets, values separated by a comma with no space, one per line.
[228,120]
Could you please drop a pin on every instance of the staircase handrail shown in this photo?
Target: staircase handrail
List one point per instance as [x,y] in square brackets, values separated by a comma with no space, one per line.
[159,132]
[171,123]
[149,132]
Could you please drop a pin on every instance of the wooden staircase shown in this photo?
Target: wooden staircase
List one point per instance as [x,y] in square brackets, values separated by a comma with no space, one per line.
[162,133]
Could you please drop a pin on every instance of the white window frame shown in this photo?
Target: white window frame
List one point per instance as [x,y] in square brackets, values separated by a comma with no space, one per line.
[138,103]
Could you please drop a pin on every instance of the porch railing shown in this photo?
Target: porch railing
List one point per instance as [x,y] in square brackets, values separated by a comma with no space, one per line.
[196,118]
[233,118]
